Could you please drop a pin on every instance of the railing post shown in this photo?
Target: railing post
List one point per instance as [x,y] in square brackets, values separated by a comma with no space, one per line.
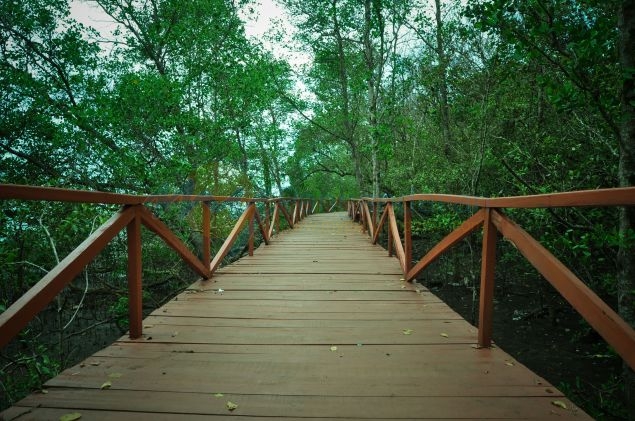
[390,239]
[251,229]
[267,215]
[206,235]
[135,296]
[486,299]
[407,235]
[375,214]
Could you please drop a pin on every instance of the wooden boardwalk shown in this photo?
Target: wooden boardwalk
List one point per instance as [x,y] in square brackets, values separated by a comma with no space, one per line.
[317,325]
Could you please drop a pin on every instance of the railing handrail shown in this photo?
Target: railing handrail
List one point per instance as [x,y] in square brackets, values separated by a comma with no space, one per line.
[57,194]
[619,334]
[618,196]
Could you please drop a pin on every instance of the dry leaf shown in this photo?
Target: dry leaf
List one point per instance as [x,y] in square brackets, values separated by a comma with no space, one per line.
[560,404]
[106,385]
[401,279]
[71,417]
[445,335]
[418,291]
[174,334]
[231,405]
[403,287]
[114,375]
[407,331]
[218,395]
[44,391]
[334,348]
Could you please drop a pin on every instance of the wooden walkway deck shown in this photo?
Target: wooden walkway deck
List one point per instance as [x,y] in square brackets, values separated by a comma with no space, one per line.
[317,325]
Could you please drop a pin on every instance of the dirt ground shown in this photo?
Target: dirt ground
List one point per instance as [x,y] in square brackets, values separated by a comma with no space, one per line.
[536,326]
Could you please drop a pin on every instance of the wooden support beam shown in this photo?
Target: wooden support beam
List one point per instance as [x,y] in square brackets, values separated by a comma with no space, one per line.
[486,298]
[392,220]
[16,317]
[380,225]
[369,219]
[261,226]
[407,236]
[250,241]
[448,241]
[596,312]
[207,258]
[135,291]
[154,224]
[231,238]
[286,215]
[274,221]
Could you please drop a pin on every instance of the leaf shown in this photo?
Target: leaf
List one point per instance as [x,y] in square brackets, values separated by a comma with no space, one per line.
[403,287]
[231,405]
[559,404]
[333,348]
[218,395]
[71,416]
[445,335]
[106,385]
[407,331]
[114,375]
[401,279]
[509,363]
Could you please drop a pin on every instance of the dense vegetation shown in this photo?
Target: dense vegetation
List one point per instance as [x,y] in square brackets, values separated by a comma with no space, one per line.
[490,97]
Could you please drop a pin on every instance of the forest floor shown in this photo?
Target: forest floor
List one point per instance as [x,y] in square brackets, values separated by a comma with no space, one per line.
[536,326]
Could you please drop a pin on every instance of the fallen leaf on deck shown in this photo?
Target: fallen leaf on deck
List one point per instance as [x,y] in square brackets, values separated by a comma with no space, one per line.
[403,287]
[71,417]
[174,334]
[445,335]
[418,291]
[560,404]
[231,405]
[333,348]
[509,363]
[148,326]
[218,395]
[114,375]
[401,279]
[44,391]
[407,331]
[106,385]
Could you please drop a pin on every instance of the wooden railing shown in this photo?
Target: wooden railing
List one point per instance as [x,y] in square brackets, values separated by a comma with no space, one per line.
[133,214]
[596,312]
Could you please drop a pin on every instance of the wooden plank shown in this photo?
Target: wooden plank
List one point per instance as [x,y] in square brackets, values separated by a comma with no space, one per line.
[300,406]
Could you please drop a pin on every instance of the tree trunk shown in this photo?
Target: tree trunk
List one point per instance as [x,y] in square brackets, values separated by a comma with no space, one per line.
[372,82]
[443,82]
[343,79]
[626,254]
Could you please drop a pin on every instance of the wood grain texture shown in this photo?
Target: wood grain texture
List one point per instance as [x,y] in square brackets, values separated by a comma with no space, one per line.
[339,335]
